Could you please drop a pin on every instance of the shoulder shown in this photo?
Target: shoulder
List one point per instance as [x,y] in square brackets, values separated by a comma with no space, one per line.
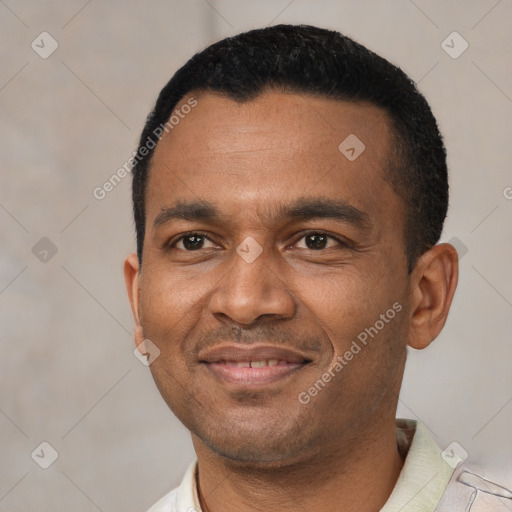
[165,504]
[183,498]
[476,488]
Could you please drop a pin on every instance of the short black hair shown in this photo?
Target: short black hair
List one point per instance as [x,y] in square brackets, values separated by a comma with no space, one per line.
[311,60]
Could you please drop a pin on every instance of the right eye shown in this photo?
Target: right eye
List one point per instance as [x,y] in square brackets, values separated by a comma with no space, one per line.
[192,241]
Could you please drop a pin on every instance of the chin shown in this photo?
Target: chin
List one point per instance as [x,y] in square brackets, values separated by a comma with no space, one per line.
[266,446]
[246,453]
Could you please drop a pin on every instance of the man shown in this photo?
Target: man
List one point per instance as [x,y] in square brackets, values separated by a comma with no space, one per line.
[289,190]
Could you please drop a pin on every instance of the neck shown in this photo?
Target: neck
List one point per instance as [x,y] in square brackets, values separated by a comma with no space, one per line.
[357,474]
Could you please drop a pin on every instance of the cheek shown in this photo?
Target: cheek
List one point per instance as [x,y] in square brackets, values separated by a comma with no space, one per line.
[166,304]
[344,302]
[167,297]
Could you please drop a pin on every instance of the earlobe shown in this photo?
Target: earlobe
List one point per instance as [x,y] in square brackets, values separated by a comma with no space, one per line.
[434,282]
[132,276]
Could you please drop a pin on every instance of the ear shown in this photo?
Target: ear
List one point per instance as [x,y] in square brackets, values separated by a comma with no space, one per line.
[434,280]
[131,277]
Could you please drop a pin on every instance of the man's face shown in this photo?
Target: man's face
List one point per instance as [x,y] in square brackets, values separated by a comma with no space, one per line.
[244,334]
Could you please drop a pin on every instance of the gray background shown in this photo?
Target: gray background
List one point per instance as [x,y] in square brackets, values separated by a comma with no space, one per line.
[68,373]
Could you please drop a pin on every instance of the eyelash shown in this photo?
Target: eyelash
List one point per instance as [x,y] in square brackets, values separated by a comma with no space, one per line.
[342,243]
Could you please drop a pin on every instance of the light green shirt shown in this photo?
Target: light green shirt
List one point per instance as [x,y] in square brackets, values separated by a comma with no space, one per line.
[424,478]
[425,474]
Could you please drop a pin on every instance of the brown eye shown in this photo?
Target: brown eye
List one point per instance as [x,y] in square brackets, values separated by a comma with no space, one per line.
[318,241]
[192,242]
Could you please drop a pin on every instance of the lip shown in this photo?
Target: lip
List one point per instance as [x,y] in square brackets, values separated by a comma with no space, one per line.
[222,362]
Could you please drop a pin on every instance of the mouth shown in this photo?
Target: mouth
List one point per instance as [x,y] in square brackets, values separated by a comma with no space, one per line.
[253,366]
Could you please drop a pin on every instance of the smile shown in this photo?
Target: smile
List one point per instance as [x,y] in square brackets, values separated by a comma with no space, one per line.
[254,366]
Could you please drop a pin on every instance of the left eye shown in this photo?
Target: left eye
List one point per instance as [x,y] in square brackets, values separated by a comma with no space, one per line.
[317,241]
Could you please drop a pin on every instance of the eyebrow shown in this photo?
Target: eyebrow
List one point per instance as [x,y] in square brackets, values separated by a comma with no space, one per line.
[302,209]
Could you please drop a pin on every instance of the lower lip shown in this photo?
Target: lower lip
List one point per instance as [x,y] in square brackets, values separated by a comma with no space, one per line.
[252,376]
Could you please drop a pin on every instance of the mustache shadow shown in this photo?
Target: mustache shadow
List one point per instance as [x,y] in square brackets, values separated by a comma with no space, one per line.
[260,335]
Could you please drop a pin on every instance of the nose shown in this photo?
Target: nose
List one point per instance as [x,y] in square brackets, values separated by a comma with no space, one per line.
[251,291]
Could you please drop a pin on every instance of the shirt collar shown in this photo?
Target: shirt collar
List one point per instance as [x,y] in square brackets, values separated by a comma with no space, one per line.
[425,474]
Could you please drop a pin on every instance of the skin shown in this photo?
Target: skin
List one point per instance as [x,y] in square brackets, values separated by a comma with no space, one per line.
[260,448]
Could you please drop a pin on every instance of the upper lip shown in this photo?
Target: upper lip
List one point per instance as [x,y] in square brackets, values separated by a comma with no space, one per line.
[238,353]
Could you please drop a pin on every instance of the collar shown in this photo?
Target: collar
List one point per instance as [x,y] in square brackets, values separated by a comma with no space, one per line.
[424,476]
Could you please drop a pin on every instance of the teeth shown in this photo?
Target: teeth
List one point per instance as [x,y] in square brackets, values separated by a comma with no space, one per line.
[257,364]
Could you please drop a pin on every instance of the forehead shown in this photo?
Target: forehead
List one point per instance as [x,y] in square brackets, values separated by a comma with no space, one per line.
[271,150]
[300,123]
